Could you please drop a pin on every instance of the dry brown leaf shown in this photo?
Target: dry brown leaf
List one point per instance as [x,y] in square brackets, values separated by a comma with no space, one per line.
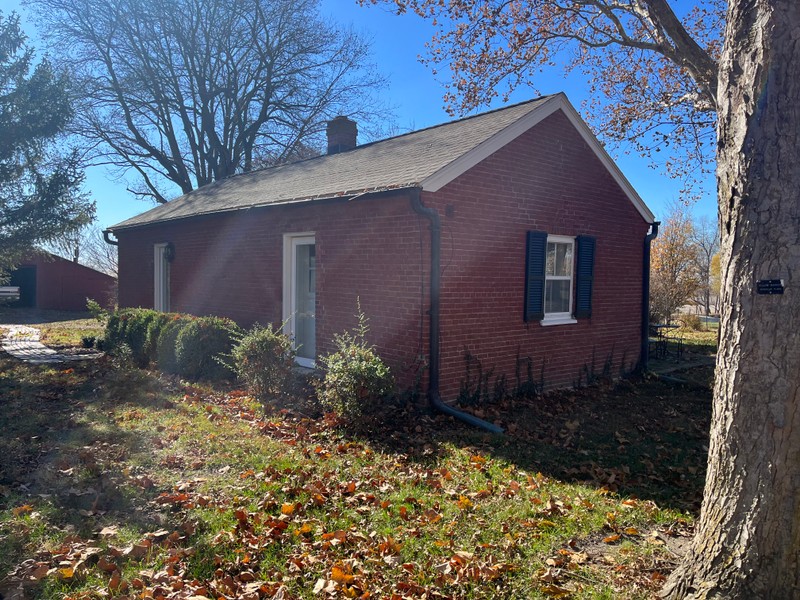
[339,575]
[555,591]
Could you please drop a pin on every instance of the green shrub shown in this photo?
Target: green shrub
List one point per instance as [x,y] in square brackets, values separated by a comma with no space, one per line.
[356,379]
[98,312]
[135,334]
[165,348]
[200,343]
[263,359]
[154,327]
[114,326]
[122,357]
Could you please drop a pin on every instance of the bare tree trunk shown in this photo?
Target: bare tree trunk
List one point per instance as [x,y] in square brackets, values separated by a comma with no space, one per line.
[748,539]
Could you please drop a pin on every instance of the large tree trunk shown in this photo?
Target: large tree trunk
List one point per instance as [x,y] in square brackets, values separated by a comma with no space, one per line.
[748,539]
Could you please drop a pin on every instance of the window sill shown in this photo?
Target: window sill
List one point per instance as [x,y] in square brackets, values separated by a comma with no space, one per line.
[558,321]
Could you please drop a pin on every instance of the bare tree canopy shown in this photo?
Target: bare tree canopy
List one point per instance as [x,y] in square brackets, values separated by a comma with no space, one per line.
[40,196]
[189,92]
[652,74]
[87,246]
[705,238]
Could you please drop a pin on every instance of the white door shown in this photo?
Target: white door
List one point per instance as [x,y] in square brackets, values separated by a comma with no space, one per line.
[300,295]
[160,278]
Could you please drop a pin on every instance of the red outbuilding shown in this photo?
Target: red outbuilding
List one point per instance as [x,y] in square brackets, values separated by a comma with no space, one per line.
[506,243]
[48,281]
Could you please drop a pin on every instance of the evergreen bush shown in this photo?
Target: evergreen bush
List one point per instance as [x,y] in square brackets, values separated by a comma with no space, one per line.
[135,334]
[154,327]
[263,359]
[356,379]
[200,344]
[167,338]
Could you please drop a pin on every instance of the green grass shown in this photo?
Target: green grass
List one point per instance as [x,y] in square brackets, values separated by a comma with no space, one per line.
[222,496]
[700,341]
[69,333]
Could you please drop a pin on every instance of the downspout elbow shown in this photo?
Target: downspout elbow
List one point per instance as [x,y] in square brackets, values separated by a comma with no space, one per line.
[106,237]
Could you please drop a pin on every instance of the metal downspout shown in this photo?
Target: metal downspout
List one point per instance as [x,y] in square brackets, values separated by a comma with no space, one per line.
[107,238]
[645,349]
[433,376]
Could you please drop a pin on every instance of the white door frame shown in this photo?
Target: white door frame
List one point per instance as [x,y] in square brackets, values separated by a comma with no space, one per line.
[290,243]
[160,277]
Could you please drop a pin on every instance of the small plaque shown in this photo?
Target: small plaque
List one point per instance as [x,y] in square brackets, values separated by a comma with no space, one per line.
[769,286]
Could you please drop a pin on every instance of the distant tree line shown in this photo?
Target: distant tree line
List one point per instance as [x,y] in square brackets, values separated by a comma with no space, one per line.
[684,266]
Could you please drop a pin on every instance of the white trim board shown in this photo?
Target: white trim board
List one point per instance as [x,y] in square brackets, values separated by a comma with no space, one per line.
[289,240]
[436,181]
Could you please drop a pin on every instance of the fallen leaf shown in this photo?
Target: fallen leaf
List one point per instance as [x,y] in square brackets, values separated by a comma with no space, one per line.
[555,591]
[21,510]
[339,575]
[108,531]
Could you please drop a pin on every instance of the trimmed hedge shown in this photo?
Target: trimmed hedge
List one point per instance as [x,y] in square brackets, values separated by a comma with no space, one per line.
[136,335]
[133,327]
[199,345]
[202,347]
[165,349]
[154,328]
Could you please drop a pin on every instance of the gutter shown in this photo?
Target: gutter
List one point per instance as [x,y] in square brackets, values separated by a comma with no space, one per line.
[107,238]
[434,396]
[645,348]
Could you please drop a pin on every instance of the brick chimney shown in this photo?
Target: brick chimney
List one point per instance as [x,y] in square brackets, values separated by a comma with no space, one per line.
[342,134]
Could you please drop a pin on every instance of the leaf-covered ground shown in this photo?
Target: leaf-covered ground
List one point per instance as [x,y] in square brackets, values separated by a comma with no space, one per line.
[117,483]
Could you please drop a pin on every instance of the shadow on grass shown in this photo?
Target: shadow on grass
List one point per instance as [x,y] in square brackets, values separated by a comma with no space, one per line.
[646,438]
[61,453]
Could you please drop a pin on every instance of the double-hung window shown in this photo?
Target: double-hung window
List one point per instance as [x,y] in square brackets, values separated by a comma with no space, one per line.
[559,276]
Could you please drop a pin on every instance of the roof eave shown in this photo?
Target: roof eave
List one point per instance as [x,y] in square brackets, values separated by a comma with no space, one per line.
[347,196]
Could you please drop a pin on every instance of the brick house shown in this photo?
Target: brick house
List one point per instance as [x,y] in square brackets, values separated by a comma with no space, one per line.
[510,237]
[50,282]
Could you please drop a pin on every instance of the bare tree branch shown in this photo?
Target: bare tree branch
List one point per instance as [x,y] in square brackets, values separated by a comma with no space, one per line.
[189,91]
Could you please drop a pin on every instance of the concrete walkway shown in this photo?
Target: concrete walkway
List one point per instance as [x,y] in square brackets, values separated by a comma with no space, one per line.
[22,342]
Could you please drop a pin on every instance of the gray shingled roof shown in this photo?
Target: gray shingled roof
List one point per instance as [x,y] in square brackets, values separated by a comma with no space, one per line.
[398,162]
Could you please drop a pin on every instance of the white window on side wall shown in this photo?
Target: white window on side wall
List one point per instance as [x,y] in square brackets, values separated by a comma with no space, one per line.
[559,262]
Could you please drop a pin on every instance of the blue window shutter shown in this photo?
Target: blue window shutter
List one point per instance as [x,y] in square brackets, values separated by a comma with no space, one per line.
[534,275]
[584,276]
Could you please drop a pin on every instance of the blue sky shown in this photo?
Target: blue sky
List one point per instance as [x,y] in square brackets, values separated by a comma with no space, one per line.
[417,99]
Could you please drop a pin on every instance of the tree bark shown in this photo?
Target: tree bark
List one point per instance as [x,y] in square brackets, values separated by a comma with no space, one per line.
[748,540]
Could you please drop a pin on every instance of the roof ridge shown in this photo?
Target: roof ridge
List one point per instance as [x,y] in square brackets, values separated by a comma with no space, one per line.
[454,121]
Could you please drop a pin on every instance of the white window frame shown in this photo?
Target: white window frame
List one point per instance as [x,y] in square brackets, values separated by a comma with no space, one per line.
[560,318]
[290,242]
[160,277]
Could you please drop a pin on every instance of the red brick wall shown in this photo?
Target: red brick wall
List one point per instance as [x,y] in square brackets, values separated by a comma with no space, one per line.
[378,249]
[549,180]
[64,285]
[232,265]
